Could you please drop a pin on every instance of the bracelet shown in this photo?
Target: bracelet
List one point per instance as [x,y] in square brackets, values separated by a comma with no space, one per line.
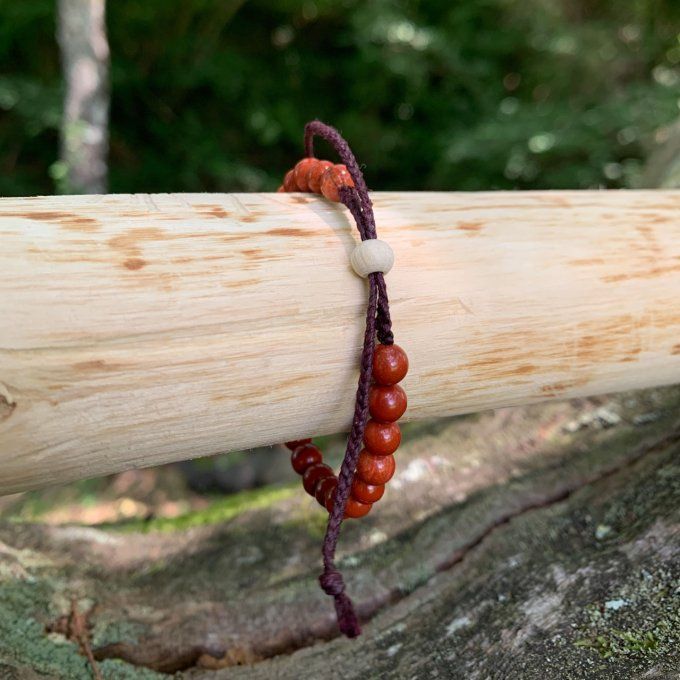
[364,470]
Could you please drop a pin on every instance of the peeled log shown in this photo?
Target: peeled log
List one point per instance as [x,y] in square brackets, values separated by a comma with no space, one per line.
[138,330]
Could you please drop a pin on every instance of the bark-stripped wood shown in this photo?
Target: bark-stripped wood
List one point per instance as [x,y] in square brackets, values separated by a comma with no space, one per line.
[138,330]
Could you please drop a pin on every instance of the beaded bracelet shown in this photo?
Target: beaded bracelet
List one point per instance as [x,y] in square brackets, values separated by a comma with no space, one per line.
[364,471]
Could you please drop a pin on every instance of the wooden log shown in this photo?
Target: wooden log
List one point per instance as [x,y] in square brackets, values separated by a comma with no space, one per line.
[139,330]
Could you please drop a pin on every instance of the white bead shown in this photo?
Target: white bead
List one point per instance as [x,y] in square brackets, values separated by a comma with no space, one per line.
[372,255]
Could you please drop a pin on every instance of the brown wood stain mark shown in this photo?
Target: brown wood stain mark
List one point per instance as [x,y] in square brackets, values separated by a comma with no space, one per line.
[676,349]
[235,237]
[659,219]
[289,231]
[67,220]
[252,216]
[129,245]
[301,200]
[587,261]
[471,228]
[216,211]
[96,365]
[253,253]
[649,274]
[555,389]
[134,263]
[502,364]
[243,283]
[610,339]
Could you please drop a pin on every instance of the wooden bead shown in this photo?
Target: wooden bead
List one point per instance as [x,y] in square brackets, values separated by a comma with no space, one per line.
[390,364]
[304,457]
[301,171]
[313,475]
[297,442]
[386,403]
[367,493]
[333,178]
[375,470]
[315,175]
[289,183]
[372,255]
[324,487]
[382,438]
[355,508]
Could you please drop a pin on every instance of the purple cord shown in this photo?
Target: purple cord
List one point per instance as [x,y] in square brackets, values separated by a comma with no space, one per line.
[357,200]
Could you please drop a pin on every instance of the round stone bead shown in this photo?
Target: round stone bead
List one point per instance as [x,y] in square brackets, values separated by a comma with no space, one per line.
[313,475]
[355,508]
[372,255]
[289,183]
[304,457]
[382,438]
[386,403]
[315,174]
[375,470]
[390,364]
[333,178]
[367,493]
[324,487]
[301,171]
[292,445]
[329,500]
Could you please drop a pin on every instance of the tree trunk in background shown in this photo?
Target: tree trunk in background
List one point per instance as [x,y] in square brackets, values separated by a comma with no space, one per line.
[85,59]
[662,169]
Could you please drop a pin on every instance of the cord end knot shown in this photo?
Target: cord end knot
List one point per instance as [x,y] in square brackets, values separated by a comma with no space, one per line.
[333,584]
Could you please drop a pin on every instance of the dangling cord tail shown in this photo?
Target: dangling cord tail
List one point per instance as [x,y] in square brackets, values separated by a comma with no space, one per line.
[377,320]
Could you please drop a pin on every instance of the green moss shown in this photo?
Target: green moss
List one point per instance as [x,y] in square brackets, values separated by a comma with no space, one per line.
[219,511]
[621,643]
[24,610]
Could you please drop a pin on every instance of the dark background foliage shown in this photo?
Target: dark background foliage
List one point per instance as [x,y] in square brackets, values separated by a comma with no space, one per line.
[472,94]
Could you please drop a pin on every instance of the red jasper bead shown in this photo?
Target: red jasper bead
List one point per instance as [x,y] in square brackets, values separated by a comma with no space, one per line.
[334,178]
[315,174]
[304,457]
[324,487]
[382,438]
[375,470]
[296,442]
[367,493]
[390,364]
[289,183]
[313,475]
[386,403]
[301,171]
[329,500]
[355,508]
[280,190]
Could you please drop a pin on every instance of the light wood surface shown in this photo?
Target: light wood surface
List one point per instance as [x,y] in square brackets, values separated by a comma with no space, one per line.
[138,330]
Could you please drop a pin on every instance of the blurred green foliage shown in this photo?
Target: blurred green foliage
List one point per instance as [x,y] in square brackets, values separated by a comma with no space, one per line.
[212,95]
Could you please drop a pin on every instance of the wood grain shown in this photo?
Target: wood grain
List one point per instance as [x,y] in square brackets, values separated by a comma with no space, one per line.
[138,330]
